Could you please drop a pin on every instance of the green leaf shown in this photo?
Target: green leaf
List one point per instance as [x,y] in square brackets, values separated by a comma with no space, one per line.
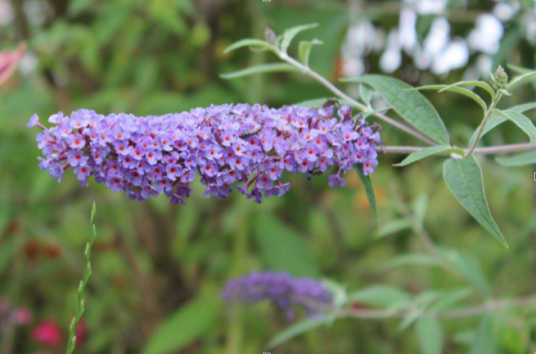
[289,35]
[469,268]
[519,69]
[419,259]
[394,226]
[497,119]
[380,295]
[369,190]
[430,335]
[282,249]
[429,151]
[305,50]
[464,179]
[484,341]
[366,92]
[522,108]
[450,299]
[526,158]
[521,79]
[409,104]
[263,68]
[249,42]
[413,316]
[319,102]
[300,328]
[456,89]
[523,123]
[190,322]
[480,84]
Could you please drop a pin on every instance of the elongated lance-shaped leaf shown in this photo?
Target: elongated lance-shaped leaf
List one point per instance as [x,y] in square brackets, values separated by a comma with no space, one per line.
[182,327]
[300,328]
[251,42]
[430,335]
[380,295]
[264,68]
[519,69]
[522,108]
[366,92]
[409,104]
[464,179]
[497,119]
[394,226]
[523,123]
[418,259]
[450,299]
[484,342]
[289,35]
[429,151]
[469,268]
[369,190]
[526,158]
[85,278]
[456,89]
[521,79]
[305,50]
[481,84]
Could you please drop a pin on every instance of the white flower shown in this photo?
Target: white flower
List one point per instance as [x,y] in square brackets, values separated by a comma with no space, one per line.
[486,36]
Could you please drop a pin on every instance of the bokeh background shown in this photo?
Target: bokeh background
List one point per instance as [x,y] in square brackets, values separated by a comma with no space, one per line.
[158,269]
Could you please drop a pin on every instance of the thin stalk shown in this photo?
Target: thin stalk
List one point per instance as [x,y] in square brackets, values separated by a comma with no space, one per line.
[83,283]
[306,70]
[486,307]
[483,124]
[491,150]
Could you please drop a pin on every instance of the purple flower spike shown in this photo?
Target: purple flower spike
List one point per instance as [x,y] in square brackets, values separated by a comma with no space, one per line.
[241,146]
[283,290]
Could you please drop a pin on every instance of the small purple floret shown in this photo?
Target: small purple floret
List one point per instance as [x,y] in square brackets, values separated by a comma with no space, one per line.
[248,147]
[283,290]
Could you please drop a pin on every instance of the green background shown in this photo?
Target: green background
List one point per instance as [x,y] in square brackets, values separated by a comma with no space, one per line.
[158,269]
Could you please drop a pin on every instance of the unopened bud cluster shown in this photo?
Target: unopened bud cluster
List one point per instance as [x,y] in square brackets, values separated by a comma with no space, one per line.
[500,79]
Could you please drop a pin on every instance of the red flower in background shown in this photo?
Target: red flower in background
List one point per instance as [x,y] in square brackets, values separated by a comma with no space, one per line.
[47,333]
[9,61]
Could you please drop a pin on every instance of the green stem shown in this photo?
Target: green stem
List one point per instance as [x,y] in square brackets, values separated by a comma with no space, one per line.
[483,124]
[82,286]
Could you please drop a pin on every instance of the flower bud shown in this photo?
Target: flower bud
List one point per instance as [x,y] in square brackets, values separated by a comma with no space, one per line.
[500,79]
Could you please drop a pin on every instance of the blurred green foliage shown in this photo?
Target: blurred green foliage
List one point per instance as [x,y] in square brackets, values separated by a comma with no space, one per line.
[158,269]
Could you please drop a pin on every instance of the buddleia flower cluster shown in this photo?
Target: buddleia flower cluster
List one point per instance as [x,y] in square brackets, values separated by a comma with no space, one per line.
[283,290]
[225,145]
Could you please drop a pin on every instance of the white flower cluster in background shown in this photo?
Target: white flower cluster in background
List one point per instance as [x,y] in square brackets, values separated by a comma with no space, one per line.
[439,50]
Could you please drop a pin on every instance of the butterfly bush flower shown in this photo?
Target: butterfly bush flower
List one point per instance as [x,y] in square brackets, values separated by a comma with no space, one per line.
[242,145]
[286,292]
